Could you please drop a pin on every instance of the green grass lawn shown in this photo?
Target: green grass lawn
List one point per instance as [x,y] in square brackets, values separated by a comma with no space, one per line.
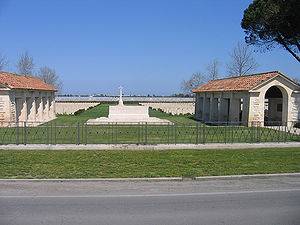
[163,163]
[102,111]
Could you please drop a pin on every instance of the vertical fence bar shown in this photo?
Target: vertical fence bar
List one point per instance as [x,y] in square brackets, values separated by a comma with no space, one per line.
[285,139]
[139,141]
[279,130]
[252,132]
[86,133]
[24,133]
[232,133]
[203,133]
[225,135]
[47,133]
[116,133]
[146,127]
[78,131]
[197,133]
[55,133]
[175,131]
[18,136]
[168,133]
[258,132]
[82,133]
[108,131]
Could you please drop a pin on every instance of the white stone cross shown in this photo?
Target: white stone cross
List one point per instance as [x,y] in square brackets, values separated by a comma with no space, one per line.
[120,100]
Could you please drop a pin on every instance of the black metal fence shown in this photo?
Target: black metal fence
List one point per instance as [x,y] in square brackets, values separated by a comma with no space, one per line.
[146,133]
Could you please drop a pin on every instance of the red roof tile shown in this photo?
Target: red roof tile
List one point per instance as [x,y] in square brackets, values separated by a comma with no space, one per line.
[241,83]
[17,81]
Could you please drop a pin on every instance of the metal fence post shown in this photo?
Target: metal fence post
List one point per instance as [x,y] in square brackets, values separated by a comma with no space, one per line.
[47,133]
[175,127]
[197,133]
[108,131]
[139,133]
[85,133]
[25,133]
[252,132]
[285,139]
[78,137]
[258,132]
[232,138]
[18,140]
[55,133]
[116,132]
[225,136]
[168,133]
[204,133]
[146,127]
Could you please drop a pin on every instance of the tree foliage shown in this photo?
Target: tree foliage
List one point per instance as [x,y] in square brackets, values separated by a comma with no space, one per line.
[49,76]
[242,61]
[195,81]
[268,23]
[25,64]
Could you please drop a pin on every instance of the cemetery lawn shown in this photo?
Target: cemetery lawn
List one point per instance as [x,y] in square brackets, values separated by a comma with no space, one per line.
[102,111]
[159,163]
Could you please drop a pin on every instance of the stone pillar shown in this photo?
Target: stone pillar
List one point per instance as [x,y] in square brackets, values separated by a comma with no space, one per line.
[223,112]
[214,112]
[235,109]
[203,106]
[34,107]
[24,114]
[198,107]
[40,108]
[245,112]
[47,108]
[30,108]
[206,108]
[52,107]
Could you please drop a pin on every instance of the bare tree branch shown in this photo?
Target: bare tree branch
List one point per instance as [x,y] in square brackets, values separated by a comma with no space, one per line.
[49,76]
[213,69]
[25,64]
[3,61]
[195,81]
[242,61]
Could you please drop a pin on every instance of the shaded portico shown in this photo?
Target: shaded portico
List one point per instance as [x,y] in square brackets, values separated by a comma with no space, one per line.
[268,96]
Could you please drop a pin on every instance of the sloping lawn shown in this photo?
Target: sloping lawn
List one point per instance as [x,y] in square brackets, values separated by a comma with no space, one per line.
[164,163]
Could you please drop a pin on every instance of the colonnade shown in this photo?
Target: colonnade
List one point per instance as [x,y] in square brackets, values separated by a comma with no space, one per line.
[34,107]
[222,107]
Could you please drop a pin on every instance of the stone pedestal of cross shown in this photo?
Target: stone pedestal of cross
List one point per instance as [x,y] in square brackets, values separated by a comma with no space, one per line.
[120,99]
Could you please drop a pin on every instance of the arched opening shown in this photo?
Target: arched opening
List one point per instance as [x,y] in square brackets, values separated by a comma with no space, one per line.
[275,106]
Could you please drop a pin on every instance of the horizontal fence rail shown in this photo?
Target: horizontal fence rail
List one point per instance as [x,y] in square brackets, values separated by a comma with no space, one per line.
[146,133]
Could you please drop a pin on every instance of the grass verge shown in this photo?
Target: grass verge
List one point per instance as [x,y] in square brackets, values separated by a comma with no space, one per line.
[165,163]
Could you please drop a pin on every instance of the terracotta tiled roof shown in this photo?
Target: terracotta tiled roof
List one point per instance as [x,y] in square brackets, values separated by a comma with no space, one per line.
[16,81]
[241,83]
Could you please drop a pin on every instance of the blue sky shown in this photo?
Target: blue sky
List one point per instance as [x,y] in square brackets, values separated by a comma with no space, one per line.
[148,47]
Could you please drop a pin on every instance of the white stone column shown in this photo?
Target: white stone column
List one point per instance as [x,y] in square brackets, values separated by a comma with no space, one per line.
[235,109]
[245,113]
[34,107]
[214,113]
[203,106]
[24,110]
[47,108]
[206,108]
[223,112]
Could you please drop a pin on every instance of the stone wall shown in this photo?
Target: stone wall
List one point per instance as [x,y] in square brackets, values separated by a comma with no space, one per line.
[71,107]
[173,108]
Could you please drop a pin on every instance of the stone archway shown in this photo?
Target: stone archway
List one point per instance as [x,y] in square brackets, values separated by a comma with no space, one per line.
[275,106]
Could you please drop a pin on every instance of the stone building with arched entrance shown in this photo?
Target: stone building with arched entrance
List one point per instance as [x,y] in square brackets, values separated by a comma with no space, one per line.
[25,99]
[265,97]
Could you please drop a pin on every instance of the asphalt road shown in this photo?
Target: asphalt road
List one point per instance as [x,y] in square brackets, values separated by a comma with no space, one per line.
[274,200]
